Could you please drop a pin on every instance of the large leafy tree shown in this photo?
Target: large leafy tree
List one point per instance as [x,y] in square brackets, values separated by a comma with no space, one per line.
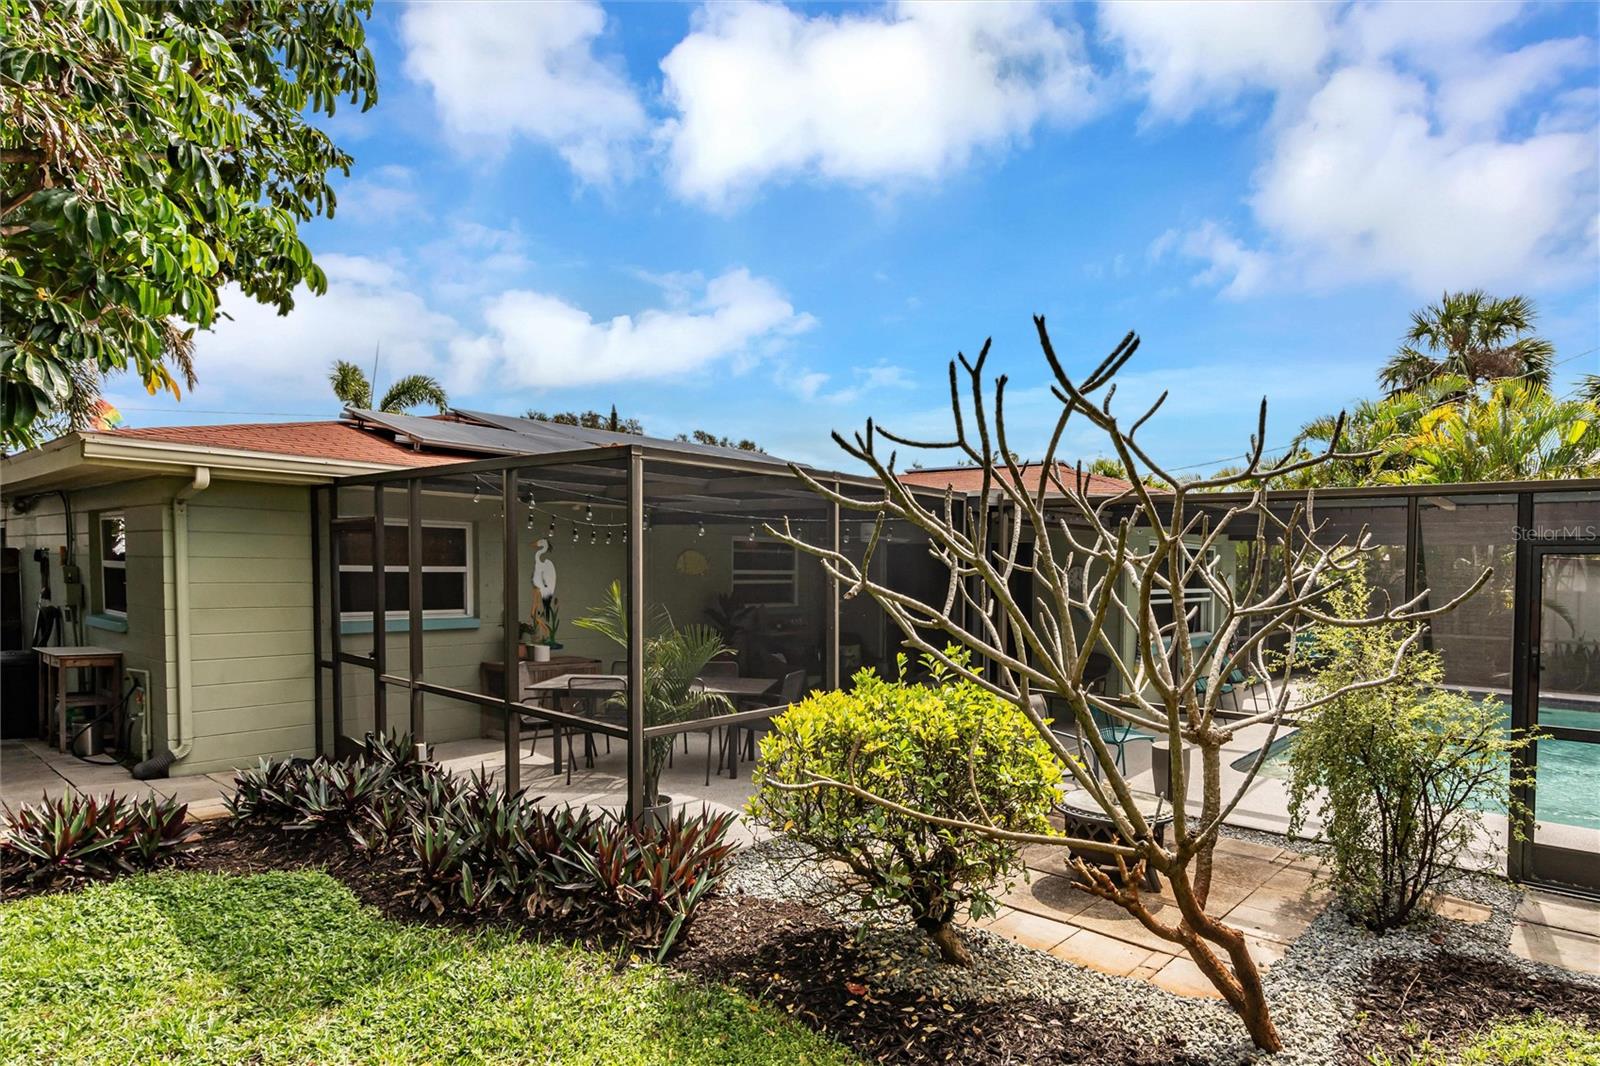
[1471,335]
[152,153]
[350,385]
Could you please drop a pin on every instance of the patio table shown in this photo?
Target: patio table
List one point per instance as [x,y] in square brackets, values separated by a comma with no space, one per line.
[1087,820]
[735,688]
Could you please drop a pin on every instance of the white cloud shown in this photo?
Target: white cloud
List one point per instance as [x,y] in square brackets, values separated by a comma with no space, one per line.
[528,340]
[1422,153]
[1192,55]
[385,194]
[1243,271]
[499,70]
[764,93]
[809,385]
[537,339]
[284,359]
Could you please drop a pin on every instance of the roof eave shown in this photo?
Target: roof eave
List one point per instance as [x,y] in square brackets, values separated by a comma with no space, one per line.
[98,458]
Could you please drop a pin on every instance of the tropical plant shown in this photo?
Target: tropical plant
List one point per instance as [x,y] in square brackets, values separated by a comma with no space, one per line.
[157,830]
[350,386]
[151,154]
[1104,560]
[948,749]
[1398,773]
[1448,431]
[1471,335]
[1589,390]
[730,617]
[1505,431]
[78,836]
[674,659]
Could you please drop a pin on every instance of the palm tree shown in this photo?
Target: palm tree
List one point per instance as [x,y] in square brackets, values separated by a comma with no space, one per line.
[1589,391]
[1507,431]
[351,386]
[1474,335]
[674,658]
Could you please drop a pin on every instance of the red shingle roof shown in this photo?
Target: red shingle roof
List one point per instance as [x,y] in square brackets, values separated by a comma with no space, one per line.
[970,479]
[314,440]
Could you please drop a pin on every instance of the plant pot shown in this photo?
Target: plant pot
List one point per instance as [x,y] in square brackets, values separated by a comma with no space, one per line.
[659,815]
[522,651]
[541,653]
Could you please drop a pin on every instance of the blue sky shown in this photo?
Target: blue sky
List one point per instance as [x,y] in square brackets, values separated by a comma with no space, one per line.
[775,221]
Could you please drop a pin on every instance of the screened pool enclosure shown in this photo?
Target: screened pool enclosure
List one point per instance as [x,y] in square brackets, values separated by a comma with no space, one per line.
[430,580]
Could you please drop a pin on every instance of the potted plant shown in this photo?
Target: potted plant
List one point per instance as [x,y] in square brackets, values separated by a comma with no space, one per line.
[539,635]
[674,658]
[730,618]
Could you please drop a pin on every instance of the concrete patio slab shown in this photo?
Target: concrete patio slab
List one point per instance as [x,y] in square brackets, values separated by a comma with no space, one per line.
[1096,951]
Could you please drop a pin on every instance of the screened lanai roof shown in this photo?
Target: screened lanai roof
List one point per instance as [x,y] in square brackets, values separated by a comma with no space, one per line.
[493,434]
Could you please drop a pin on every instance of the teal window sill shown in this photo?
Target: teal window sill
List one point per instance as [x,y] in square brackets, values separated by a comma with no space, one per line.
[403,625]
[108,622]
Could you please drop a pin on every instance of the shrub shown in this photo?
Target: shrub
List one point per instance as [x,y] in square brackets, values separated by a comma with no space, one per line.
[78,836]
[158,830]
[1397,773]
[947,748]
[470,849]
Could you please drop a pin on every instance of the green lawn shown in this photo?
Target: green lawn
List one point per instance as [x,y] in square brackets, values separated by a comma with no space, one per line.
[291,968]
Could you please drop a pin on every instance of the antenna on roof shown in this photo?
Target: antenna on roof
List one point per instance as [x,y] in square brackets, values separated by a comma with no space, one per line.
[377,348]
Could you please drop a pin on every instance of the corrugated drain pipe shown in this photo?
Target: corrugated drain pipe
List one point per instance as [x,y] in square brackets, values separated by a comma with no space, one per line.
[158,765]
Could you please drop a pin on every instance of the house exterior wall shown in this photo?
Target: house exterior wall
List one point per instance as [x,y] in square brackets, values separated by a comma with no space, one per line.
[145,636]
[250,625]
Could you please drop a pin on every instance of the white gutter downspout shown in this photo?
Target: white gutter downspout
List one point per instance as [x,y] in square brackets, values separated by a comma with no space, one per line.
[180,592]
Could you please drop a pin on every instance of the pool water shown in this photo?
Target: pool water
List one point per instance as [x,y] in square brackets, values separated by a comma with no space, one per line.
[1568,790]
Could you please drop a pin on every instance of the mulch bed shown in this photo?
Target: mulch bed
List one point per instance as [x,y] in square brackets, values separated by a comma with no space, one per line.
[801,960]
[1446,999]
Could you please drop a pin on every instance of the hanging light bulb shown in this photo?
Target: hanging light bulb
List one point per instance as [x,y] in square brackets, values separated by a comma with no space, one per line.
[475,495]
[592,535]
[552,528]
[647,521]
[702,527]
[588,514]
[608,537]
[752,532]
[530,521]
[574,532]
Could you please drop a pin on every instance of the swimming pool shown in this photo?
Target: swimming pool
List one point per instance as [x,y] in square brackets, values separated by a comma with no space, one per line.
[1568,790]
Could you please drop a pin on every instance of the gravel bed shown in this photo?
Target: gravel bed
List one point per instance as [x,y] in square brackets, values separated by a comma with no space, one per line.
[1312,989]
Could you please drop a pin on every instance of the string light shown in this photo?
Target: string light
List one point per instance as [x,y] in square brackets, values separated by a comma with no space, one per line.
[588,514]
[574,533]
[702,527]
[552,529]
[475,496]
[592,535]
[752,532]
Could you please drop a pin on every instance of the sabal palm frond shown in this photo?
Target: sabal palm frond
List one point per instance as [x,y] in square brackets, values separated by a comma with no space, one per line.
[1589,390]
[414,390]
[1474,335]
[350,385]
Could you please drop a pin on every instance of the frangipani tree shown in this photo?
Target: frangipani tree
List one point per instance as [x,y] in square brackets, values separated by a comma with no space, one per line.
[1095,573]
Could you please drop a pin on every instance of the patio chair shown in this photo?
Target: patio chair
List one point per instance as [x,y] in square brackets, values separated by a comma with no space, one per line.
[1114,733]
[791,690]
[595,693]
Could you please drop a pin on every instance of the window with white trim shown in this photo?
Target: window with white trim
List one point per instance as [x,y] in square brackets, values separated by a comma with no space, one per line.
[764,573]
[1197,599]
[447,581]
[114,565]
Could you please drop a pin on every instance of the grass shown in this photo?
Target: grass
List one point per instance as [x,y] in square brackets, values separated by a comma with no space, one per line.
[291,968]
[1533,1041]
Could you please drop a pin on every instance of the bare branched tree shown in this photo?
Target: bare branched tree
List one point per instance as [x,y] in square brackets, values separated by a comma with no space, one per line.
[1097,565]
